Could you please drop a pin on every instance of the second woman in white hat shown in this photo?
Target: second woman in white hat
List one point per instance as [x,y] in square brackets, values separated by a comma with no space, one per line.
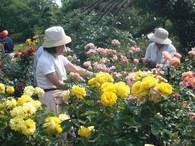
[160,43]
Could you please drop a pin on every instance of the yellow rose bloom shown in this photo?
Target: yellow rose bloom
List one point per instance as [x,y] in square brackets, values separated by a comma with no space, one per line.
[137,90]
[29,109]
[108,87]
[59,129]
[149,82]
[165,89]
[85,131]
[10,103]
[2,88]
[16,124]
[122,89]
[36,104]
[10,90]
[78,91]
[52,124]
[108,98]
[29,127]
[148,145]
[23,99]
[29,90]
[104,77]
[93,82]
[40,92]
[29,42]
[18,111]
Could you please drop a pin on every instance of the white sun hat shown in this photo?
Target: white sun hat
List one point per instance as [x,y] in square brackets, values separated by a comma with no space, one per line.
[160,36]
[55,36]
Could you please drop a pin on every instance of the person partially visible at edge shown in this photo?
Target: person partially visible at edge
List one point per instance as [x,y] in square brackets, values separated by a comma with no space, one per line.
[160,43]
[7,44]
[51,68]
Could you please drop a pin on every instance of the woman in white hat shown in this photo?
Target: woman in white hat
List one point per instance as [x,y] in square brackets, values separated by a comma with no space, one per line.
[51,67]
[160,43]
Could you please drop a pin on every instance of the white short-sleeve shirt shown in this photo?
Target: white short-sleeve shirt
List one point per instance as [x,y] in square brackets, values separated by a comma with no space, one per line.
[49,64]
[155,54]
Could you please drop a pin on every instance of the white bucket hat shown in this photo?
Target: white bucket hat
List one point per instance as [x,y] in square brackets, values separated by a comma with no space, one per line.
[55,36]
[160,36]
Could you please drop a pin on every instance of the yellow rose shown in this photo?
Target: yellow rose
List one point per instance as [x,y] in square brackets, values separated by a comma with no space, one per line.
[40,92]
[2,88]
[94,83]
[78,91]
[85,131]
[138,91]
[108,87]
[24,98]
[165,89]
[29,90]
[16,124]
[18,111]
[10,103]
[29,127]
[149,82]
[102,77]
[10,90]
[122,89]
[52,124]
[108,98]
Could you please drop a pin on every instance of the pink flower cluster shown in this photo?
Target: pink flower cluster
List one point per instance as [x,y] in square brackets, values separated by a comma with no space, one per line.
[192,53]
[103,67]
[134,49]
[172,59]
[115,42]
[188,80]
[101,51]
[90,46]
[123,59]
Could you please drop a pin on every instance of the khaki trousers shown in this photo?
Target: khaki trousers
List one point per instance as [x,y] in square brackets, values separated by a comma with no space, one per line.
[54,101]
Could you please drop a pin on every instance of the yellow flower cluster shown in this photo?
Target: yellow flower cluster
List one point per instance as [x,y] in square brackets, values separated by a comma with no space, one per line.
[122,89]
[78,91]
[21,112]
[151,88]
[53,125]
[8,89]
[109,91]
[108,98]
[85,131]
[141,74]
[26,127]
[99,79]
[30,41]
[30,90]
[2,88]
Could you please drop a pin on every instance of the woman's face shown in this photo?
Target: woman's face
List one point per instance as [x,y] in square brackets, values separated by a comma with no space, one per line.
[60,50]
[159,45]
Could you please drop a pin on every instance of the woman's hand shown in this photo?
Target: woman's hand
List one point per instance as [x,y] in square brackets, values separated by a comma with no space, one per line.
[76,76]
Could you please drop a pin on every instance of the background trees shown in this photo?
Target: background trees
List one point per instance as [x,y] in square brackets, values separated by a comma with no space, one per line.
[23,18]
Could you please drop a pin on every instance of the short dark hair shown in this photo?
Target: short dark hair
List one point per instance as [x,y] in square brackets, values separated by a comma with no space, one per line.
[51,50]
